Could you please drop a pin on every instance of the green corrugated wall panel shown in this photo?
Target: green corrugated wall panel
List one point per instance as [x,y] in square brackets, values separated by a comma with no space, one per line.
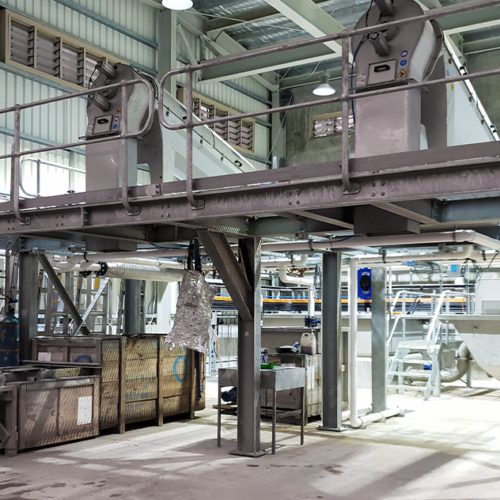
[60,122]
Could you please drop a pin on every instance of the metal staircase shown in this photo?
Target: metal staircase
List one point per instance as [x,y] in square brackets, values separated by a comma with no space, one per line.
[416,364]
[402,369]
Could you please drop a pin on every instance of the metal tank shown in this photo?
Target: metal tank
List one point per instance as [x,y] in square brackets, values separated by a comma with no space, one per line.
[9,339]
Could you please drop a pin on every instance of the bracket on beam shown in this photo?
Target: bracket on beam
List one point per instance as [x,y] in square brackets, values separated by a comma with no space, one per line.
[229,269]
[56,282]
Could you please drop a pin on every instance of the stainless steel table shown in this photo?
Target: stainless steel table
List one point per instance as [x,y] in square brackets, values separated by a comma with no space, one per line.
[277,379]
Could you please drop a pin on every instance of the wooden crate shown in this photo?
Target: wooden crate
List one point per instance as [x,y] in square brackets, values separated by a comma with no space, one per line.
[57,411]
[142,378]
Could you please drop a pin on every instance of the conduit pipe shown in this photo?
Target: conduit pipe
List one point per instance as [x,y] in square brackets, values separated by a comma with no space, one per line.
[354,419]
[297,280]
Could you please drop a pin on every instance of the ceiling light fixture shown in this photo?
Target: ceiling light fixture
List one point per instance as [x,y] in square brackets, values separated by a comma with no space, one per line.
[324,89]
[177,4]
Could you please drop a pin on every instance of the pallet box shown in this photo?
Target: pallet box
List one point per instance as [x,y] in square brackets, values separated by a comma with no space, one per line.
[40,407]
[142,378]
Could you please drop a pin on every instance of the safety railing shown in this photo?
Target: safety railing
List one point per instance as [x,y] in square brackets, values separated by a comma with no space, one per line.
[437,304]
[39,162]
[16,152]
[190,123]
[345,98]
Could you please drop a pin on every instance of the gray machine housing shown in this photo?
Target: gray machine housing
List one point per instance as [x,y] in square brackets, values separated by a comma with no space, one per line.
[392,123]
[105,119]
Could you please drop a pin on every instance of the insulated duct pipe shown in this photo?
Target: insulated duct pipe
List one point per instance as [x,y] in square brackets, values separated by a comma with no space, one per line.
[354,419]
[456,373]
[128,271]
[297,280]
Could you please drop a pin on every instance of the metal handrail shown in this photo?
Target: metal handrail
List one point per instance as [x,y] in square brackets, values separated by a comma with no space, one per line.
[431,335]
[437,311]
[345,98]
[39,162]
[16,152]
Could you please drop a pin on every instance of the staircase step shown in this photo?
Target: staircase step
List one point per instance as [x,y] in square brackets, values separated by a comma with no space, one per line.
[416,345]
[412,373]
[408,387]
[417,361]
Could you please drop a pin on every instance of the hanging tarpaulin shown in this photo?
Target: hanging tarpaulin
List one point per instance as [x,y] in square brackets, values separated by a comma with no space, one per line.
[194,312]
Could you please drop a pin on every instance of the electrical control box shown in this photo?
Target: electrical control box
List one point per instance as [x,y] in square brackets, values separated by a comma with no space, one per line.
[364,283]
[453,271]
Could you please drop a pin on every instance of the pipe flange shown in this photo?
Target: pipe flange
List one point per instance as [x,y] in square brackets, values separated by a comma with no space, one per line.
[103,270]
[85,274]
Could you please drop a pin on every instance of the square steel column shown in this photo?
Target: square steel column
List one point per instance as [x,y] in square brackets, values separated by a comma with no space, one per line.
[28,302]
[167,47]
[379,332]
[133,307]
[332,341]
[249,346]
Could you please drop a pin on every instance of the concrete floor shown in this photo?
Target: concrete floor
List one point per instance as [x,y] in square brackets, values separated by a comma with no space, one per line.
[447,448]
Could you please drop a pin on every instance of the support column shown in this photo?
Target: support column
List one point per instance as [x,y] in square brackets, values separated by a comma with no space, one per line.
[28,302]
[167,47]
[332,341]
[242,281]
[379,332]
[249,345]
[132,309]
[278,133]
[167,303]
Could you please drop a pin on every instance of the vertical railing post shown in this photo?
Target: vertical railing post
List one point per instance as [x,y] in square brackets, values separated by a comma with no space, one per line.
[15,167]
[195,204]
[346,181]
[124,154]
[38,173]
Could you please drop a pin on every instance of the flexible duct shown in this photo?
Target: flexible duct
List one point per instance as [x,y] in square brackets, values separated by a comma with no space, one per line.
[448,376]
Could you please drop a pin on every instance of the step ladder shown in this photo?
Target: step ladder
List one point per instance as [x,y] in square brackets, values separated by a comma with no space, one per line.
[402,370]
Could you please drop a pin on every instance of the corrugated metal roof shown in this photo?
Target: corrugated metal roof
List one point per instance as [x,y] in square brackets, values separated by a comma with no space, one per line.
[277,28]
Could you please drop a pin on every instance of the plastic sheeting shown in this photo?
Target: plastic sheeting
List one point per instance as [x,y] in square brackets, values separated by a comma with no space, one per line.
[194,312]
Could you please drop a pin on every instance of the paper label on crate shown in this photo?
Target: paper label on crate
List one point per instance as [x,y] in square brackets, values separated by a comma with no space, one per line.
[84,410]
[44,356]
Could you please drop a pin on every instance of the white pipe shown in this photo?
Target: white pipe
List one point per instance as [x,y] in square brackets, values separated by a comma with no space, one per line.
[354,420]
[135,272]
[297,280]
[311,301]
[461,236]
[128,271]
[294,280]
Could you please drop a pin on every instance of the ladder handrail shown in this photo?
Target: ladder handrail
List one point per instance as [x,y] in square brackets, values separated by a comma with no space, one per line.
[434,318]
[433,332]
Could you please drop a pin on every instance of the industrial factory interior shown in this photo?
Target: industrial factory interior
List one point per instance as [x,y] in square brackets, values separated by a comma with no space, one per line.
[249,249]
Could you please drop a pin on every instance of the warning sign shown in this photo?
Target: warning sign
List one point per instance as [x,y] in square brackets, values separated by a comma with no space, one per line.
[402,73]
